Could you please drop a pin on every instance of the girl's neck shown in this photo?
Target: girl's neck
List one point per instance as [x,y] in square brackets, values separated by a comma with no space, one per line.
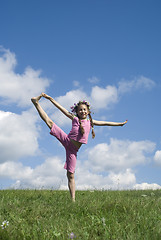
[81,118]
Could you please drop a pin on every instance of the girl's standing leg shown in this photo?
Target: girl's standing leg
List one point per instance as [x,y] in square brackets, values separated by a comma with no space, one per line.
[49,122]
[71,184]
[42,113]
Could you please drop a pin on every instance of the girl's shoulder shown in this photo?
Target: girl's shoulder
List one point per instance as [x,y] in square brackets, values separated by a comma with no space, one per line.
[74,116]
[75,119]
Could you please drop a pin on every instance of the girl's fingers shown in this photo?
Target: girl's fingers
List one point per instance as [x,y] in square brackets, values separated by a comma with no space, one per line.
[44,95]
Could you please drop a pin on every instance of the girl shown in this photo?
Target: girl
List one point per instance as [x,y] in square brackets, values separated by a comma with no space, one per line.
[78,135]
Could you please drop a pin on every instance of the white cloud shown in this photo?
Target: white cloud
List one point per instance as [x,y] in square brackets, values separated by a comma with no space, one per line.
[18,136]
[52,175]
[72,97]
[103,97]
[146,186]
[157,157]
[140,82]
[15,170]
[3,115]
[85,179]
[19,88]
[119,154]
[49,174]
[93,80]
[123,180]
[7,61]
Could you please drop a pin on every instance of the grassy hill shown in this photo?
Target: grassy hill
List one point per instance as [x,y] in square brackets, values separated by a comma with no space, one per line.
[104,215]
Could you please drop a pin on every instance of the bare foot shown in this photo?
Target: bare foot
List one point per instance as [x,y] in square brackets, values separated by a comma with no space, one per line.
[36,99]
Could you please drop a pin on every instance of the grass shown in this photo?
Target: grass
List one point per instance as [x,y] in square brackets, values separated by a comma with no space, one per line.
[104,215]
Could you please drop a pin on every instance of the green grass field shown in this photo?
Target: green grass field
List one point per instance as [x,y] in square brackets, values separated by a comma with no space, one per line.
[47,214]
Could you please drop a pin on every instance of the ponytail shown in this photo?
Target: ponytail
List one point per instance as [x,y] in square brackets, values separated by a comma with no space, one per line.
[81,127]
[92,125]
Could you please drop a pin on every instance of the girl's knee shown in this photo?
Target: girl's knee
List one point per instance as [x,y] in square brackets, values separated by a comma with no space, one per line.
[70,175]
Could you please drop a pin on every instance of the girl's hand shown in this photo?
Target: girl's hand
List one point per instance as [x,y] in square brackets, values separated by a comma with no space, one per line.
[124,123]
[45,96]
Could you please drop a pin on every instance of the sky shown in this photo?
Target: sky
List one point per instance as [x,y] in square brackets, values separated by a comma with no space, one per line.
[106,52]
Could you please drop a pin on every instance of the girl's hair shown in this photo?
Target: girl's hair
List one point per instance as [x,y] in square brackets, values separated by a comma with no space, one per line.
[75,108]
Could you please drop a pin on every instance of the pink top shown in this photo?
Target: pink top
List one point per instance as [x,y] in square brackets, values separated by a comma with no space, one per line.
[75,133]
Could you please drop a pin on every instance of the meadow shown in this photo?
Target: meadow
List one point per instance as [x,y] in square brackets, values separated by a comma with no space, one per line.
[104,215]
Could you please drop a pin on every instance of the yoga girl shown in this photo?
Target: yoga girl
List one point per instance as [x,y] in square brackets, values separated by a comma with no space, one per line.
[82,123]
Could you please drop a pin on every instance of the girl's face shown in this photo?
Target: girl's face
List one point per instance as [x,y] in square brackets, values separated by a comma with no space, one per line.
[82,111]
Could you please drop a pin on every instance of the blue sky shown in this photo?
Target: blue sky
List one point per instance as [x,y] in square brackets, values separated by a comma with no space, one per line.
[107,52]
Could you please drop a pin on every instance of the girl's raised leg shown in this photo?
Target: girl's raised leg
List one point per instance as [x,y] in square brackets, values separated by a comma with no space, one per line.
[42,113]
[71,184]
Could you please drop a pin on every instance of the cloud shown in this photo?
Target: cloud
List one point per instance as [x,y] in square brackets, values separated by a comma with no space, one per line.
[49,174]
[146,186]
[103,97]
[123,180]
[140,82]
[19,88]
[85,179]
[18,136]
[52,175]
[72,96]
[93,80]
[15,170]
[118,154]
[157,157]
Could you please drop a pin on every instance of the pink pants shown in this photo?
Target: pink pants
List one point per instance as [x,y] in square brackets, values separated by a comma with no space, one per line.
[71,149]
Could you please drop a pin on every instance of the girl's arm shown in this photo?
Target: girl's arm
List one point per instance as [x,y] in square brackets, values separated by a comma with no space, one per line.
[61,108]
[104,123]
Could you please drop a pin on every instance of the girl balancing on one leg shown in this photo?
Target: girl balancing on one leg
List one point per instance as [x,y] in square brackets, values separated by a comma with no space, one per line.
[82,123]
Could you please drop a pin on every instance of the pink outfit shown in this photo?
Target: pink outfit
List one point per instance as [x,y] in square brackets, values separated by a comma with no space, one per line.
[71,149]
[75,133]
